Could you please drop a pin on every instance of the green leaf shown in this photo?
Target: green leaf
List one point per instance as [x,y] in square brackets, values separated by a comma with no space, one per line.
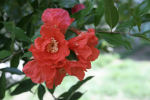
[20,35]
[2,85]
[125,26]
[30,29]
[14,62]
[76,96]
[4,54]
[115,39]
[68,3]
[12,70]
[16,32]
[99,12]
[41,92]
[111,13]
[143,35]
[146,18]
[137,18]
[27,54]
[23,86]
[82,16]
[71,91]
[9,26]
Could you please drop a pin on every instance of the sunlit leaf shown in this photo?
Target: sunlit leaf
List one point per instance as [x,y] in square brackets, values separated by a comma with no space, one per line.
[115,39]
[111,13]
[99,12]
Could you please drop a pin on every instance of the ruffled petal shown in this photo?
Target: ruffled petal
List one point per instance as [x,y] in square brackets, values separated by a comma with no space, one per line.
[41,43]
[75,68]
[84,52]
[60,74]
[95,53]
[57,17]
[33,70]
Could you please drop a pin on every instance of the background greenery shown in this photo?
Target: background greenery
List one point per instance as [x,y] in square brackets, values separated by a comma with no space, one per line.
[122,26]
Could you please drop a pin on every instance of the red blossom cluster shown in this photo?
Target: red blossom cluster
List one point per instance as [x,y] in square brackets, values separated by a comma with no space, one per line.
[50,51]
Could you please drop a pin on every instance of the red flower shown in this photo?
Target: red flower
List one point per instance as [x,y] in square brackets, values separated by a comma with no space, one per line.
[51,47]
[77,8]
[40,72]
[75,68]
[84,45]
[57,17]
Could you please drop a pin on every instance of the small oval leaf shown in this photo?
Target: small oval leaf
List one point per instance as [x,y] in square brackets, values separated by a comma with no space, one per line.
[41,92]
[111,13]
[2,86]
[23,86]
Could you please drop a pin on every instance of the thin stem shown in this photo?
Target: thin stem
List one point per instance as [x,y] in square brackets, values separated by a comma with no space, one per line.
[111,32]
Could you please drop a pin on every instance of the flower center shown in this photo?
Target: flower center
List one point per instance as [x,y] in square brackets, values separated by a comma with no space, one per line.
[52,47]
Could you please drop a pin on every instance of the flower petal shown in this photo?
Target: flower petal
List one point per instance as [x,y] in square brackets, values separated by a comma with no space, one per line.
[57,17]
[33,70]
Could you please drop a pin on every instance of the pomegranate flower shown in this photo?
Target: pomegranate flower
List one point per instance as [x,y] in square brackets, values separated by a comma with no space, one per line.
[51,47]
[52,74]
[50,51]
[84,45]
[77,8]
[57,17]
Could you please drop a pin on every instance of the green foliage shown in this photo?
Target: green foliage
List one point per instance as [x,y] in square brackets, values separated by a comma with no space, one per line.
[23,86]
[12,70]
[67,3]
[4,54]
[99,11]
[41,92]
[144,35]
[2,85]
[16,32]
[71,92]
[76,96]
[14,62]
[115,39]
[111,13]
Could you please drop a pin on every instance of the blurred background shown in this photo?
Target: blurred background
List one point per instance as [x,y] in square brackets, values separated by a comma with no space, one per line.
[121,72]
